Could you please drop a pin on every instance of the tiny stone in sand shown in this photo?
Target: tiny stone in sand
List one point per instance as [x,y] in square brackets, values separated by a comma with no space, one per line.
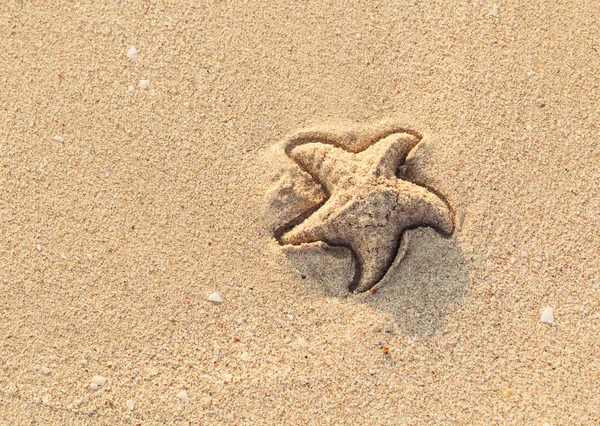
[215,298]
[129,404]
[245,356]
[302,343]
[548,315]
[144,84]
[184,397]
[97,382]
[45,371]
[227,377]
[132,52]
[58,139]
[84,362]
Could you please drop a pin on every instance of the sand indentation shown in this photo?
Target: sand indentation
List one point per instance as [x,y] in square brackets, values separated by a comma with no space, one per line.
[365,206]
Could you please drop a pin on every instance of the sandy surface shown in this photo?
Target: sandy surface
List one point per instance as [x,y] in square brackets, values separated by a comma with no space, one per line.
[112,240]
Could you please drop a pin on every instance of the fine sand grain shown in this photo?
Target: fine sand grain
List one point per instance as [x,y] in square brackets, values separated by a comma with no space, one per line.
[135,187]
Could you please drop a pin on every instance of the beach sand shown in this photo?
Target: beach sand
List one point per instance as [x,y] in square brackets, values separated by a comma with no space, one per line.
[124,207]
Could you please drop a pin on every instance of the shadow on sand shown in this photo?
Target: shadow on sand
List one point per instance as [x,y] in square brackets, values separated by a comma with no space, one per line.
[425,287]
[418,293]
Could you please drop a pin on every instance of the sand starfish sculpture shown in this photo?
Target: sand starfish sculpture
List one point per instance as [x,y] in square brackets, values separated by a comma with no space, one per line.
[367,207]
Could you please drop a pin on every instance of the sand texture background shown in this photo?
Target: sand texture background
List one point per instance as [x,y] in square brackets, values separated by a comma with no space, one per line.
[112,240]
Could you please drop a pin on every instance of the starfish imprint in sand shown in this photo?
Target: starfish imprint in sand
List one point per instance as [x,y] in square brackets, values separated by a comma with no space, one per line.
[367,207]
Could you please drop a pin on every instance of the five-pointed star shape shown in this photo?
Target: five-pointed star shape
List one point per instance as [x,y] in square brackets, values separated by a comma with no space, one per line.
[368,207]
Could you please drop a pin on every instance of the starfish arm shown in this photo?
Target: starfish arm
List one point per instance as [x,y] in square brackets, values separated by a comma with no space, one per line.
[317,227]
[384,157]
[375,251]
[328,165]
[418,206]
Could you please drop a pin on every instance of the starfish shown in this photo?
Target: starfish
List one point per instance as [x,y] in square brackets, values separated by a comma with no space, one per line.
[367,207]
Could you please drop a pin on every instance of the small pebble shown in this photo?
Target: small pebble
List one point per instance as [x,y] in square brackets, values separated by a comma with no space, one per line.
[45,399]
[39,247]
[84,362]
[184,397]
[302,343]
[531,74]
[94,386]
[132,52]
[290,317]
[99,380]
[58,139]
[507,393]
[548,315]
[494,11]
[215,298]
[206,402]
[77,402]
[245,356]
[129,403]
[227,377]
[45,371]
[131,89]
[144,84]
